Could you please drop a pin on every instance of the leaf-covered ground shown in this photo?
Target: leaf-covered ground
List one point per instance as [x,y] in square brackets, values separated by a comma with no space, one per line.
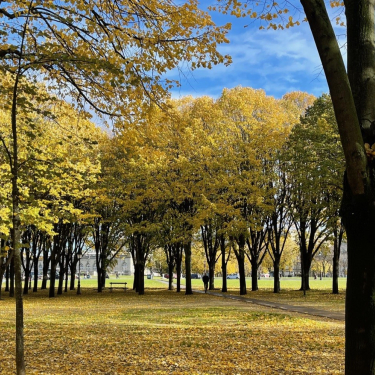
[166,333]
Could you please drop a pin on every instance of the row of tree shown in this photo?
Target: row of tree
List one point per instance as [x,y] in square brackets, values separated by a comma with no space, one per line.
[242,170]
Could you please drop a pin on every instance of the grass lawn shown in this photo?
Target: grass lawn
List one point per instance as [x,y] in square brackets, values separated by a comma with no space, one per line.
[320,296]
[164,332]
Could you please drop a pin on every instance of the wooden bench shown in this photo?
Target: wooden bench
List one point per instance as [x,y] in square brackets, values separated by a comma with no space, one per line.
[118,287]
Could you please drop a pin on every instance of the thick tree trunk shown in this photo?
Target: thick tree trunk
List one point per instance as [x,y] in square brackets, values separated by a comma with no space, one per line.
[73,275]
[52,281]
[241,270]
[141,278]
[360,293]
[305,270]
[187,249]
[276,275]
[254,275]
[170,273]
[136,277]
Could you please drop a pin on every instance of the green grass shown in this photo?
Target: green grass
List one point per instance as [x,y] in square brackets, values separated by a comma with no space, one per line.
[320,295]
[289,283]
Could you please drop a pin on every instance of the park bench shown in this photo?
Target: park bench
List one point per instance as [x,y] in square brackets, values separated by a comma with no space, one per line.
[118,287]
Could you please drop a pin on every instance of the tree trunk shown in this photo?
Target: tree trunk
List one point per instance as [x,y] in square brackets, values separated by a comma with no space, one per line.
[254,275]
[305,271]
[52,280]
[211,273]
[73,275]
[61,276]
[7,278]
[360,300]
[46,261]
[276,275]
[178,271]
[335,267]
[20,361]
[136,277]
[178,259]
[240,255]
[170,274]
[187,249]
[27,278]
[11,277]
[141,278]
[223,265]
[241,270]
[35,287]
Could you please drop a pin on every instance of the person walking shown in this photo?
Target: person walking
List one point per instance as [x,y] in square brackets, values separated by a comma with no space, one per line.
[205,279]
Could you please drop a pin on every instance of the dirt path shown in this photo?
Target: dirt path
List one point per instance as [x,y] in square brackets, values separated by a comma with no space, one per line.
[276,305]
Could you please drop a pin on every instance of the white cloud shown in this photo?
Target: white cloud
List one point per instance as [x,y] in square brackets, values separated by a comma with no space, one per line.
[277,61]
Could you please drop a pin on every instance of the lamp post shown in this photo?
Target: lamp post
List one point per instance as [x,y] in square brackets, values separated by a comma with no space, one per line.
[79,256]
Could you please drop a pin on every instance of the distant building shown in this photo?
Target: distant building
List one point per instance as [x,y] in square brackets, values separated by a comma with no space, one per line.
[124,265]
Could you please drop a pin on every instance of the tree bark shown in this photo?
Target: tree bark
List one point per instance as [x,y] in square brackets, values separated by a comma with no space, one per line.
[178,271]
[276,275]
[240,255]
[11,277]
[254,275]
[187,249]
[360,302]
[141,278]
[170,274]
[305,270]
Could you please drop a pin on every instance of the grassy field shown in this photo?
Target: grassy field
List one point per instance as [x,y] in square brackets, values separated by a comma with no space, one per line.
[164,332]
[320,295]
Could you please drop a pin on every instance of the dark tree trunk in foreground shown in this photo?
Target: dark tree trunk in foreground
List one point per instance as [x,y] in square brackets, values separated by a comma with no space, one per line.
[355,114]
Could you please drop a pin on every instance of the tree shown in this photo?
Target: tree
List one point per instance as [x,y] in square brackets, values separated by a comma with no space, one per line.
[314,166]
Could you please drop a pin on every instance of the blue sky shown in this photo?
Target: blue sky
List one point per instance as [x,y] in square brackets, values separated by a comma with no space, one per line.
[276,61]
